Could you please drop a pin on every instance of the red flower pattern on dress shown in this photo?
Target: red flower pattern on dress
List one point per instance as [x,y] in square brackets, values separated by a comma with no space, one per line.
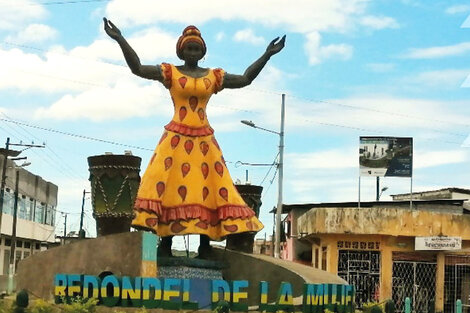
[185,168]
[231,228]
[168,163]
[193,103]
[182,192]
[205,193]
[165,134]
[182,81]
[205,169]
[188,146]
[182,113]
[160,188]
[204,146]
[175,140]
[223,192]
[176,227]
[151,222]
[219,168]
[207,82]
[200,113]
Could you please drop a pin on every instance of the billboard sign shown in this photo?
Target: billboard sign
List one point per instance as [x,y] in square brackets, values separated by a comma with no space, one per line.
[386,156]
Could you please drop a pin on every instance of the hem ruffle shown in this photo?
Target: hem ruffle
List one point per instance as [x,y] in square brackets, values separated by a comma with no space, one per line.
[166,215]
[186,130]
[166,73]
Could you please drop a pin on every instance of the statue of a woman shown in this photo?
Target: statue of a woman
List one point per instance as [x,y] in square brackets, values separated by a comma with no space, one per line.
[187,188]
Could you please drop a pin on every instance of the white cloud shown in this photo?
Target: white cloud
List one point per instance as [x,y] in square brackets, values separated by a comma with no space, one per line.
[438,52]
[327,159]
[247,35]
[423,159]
[317,53]
[379,22]
[456,9]
[377,114]
[124,100]
[15,14]
[380,67]
[81,68]
[440,78]
[219,36]
[305,16]
[33,33]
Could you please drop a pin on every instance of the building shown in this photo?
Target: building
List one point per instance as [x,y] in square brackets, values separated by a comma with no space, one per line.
[36,210]
[444,193]
[378,247]
[263,246]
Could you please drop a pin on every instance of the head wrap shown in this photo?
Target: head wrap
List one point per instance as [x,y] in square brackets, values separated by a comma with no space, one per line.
[190,34]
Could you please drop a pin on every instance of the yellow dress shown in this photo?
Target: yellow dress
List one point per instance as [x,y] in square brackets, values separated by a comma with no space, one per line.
[187,188]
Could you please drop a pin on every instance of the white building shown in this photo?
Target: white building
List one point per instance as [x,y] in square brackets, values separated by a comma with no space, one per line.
[37,202]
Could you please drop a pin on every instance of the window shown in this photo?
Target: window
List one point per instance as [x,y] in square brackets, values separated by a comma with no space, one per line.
[27,245]
[7,242]
[6,261]
[53,212]
[19,243]
[49,214]
[8,202]
[39,213]
[38,246]
[22,208]
[324,259]
[317,258]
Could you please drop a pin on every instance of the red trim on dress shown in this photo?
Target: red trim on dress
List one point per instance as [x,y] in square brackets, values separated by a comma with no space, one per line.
[186,130]
[219,79]
[193,211]
[166,73]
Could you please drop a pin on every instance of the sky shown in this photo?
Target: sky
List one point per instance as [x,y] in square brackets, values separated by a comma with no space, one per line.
[350,68]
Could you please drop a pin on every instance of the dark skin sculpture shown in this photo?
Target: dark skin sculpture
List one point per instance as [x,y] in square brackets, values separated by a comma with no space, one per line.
[192,53]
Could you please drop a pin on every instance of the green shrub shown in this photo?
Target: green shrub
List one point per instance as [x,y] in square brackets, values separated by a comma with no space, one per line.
[372,307]
[4,307]
[80,305]
[41,306]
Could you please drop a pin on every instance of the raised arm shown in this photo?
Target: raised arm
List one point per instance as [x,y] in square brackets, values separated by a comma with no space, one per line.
[133,61]
[239,81]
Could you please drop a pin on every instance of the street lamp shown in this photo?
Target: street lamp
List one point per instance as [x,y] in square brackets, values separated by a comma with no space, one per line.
[280,168]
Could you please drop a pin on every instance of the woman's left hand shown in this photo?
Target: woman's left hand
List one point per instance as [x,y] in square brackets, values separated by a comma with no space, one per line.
[275,46]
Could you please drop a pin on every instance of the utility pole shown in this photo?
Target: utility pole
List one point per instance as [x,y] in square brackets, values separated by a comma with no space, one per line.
[277,243]
[11,268]
[4,176]
[65,227]
[377,192]
[6,152]
[81,232]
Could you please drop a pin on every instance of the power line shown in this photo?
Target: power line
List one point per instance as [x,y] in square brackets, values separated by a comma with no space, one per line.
[75,135]
[69,171]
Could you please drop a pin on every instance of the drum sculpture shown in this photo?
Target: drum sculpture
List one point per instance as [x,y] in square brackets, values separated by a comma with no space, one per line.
[243,242]
[114,183]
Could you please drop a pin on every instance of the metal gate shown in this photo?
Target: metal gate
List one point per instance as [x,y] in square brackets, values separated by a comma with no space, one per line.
[457,283]
[362,270]
[416,280]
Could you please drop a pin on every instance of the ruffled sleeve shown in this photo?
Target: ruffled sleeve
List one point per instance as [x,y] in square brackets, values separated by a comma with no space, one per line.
[219,79]
[166,73]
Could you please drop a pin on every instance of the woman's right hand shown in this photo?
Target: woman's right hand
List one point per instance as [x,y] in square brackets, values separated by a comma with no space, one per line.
[111,29]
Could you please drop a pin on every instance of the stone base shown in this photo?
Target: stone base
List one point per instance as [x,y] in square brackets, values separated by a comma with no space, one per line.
[181,267]
[126,254]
